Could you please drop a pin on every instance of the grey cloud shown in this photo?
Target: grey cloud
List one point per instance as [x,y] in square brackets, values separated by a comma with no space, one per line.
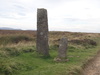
[9,16]
[19,7]
[6,16]
[72,19]
[22,14]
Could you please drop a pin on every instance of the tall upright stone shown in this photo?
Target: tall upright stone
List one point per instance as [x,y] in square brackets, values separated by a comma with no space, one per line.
[42,32]
[62,52]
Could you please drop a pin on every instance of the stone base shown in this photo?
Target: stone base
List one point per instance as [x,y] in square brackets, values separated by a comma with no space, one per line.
[60,60]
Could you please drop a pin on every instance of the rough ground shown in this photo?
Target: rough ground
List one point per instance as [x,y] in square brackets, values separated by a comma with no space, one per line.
[93,66]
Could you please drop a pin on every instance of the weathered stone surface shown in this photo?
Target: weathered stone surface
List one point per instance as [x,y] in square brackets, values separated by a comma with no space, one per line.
[62,52]
[42,32]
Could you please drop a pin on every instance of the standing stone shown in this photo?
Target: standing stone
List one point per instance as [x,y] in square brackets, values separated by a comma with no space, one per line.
[62,52]
[42,32]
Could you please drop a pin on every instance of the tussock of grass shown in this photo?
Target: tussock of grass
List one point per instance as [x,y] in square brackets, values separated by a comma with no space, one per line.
[8,65]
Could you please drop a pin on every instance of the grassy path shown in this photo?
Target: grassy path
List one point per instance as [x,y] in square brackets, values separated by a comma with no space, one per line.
[93,66]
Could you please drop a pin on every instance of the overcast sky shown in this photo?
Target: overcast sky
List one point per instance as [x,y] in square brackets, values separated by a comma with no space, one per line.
[63,15]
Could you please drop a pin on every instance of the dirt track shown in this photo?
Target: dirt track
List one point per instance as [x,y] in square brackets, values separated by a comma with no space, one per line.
[93,66]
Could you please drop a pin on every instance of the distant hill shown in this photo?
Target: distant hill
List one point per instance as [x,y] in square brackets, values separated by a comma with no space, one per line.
[7,28]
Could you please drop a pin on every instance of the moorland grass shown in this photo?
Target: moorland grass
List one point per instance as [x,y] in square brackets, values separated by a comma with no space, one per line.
[21,58]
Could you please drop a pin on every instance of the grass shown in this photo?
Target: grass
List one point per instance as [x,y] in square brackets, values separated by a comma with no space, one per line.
[21,58]
[30,63]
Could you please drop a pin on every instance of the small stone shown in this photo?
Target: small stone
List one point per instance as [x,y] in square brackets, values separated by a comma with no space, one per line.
[78,56]
[60,60]
[57,59]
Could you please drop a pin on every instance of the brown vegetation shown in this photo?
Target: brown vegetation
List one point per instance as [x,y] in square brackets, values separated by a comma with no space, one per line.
[54,37]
